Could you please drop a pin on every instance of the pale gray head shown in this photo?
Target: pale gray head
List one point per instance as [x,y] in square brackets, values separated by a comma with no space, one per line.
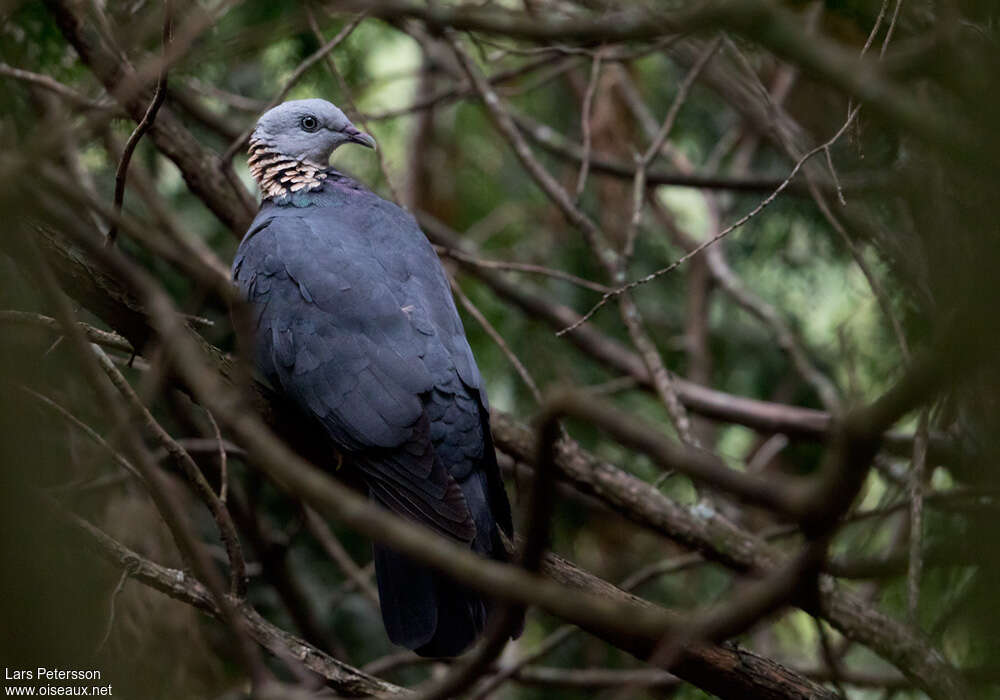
[307,130]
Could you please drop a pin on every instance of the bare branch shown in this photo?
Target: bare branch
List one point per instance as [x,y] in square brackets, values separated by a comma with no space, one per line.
[916,488]
[159,94]
[492,332]
[182,587]
[335,550]
[54,86]
[227,530]
[588,101]
[473,261]
[95,335]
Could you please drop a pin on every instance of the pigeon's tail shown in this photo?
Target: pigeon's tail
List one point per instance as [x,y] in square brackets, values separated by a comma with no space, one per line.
[424,611]
[428,612]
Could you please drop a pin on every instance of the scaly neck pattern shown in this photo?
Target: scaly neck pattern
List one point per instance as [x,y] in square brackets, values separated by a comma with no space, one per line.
[279,174]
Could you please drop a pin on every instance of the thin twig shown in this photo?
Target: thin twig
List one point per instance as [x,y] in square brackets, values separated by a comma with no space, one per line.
[659,139]
[588,102]
[223,459]
[662,379]
[916,488]
[771,448]
[335,550]
[494,334]
[55,87]
[830,657]
[891,29]
[679,99]
[562,634]
[473,261]
[111,609]
[142,127]
[557,144]
[66,415]
[108,339]
[231,99]
[448,94]
[623,53]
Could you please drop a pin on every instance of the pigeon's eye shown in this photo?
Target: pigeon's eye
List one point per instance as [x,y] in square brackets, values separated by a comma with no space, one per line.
[309,123]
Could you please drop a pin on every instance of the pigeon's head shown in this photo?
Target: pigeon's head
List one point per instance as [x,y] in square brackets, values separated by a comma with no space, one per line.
[307,130]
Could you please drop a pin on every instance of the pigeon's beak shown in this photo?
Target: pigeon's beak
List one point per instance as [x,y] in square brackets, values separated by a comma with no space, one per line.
[355,135]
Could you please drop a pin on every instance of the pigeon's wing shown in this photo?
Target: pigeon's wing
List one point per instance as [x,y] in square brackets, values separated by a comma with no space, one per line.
[338,334]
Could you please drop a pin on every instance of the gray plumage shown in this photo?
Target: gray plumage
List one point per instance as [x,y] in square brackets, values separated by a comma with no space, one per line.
[356,326]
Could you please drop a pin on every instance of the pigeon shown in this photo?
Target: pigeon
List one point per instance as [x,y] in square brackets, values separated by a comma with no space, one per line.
[355,326]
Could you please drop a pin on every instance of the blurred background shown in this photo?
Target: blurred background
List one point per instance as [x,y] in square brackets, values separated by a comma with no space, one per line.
[884,243]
